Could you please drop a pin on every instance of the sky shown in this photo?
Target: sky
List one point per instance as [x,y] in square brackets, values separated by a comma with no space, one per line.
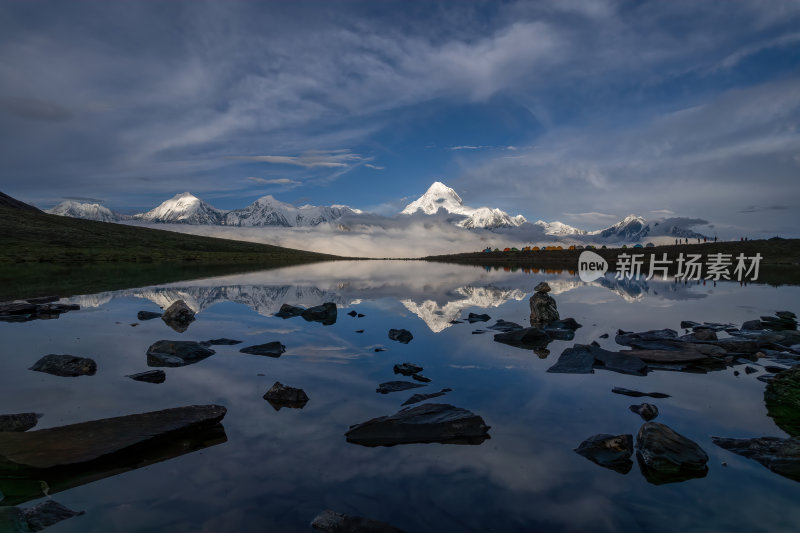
[578,111]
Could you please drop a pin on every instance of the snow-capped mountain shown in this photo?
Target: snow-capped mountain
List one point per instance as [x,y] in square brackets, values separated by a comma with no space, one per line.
[558,228]
[440,196]
[634,228]
[627,229]
[88,211]
[184,208]
[267,211]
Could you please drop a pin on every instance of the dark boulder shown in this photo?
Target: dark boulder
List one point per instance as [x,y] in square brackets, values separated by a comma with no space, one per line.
[325,313]
[582,359]
[19,421]
[782,398]
[151,376]
[429,422]
[270,349]
[65,365]
[609,451]
[752,325]
[666,456]
[647,411]
[576,360]
[782,456]
[147,315]
[176,353]
[526,338]
[543,307]
[396,386]
[400,335]
[407,369]
[178,316]
[279,395]
[473,317]
[333,522]
[289,311]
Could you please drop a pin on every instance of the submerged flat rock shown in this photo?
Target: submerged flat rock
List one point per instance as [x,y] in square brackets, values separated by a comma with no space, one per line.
[782,456]
[400,335]
[19,421]
[86,441]
[527,338]
[416,398]
[325,314]
[36,518]
[430,422]
[638,394]
[150,376]
[176,353]
[396,386]
[333,522]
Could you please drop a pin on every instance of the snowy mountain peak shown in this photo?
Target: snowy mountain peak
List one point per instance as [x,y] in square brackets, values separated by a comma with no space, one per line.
[267,211]
[440,196]
[183,208]
[437,196]
[558,228]
[88,211]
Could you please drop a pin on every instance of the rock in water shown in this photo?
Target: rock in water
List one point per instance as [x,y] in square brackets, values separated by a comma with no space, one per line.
[473,317]
[289,311]
[782,456]
[325,313]
[279,395]
[782,397]
[667,457]
[147,315]
[416,398]
[65,365]
[176,353]
[609,451]
[505,326]
[396,386]
[527,338]
[400,335]
[19,422]
[407,369]
[36,518]
[270,349]
[637,394]
[543,306]
[648,411]
[178,316]
[70,445]
[221,342]
[333,522]
[151,376]
[429,422]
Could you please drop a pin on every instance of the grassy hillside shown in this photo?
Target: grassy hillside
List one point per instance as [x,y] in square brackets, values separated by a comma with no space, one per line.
[32,236]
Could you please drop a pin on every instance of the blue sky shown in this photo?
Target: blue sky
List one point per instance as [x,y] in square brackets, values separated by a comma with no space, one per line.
[571,110]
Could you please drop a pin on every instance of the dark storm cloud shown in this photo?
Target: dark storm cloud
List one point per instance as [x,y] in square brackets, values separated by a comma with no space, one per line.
[31,108]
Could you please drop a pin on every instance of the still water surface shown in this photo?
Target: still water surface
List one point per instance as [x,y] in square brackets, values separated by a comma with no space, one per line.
[275,470]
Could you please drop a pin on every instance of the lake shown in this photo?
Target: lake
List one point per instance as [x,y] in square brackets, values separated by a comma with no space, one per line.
[275,470]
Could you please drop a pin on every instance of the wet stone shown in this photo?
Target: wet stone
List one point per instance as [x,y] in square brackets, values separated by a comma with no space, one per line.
[429,422]
[782,456]
[396,386]
[637,394]
[151,376]
[176,353]
[402,336]
[473,317]
[609,451]
[147,315]
[65,365]
[647,411]
[269,349]
[667,456]
[289,311]
[280,395]
[178,316]
[416,398]
[407,369]
[220,342]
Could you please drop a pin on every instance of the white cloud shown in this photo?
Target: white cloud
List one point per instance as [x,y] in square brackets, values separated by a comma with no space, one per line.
[308,159]
[375,167]
[278,181]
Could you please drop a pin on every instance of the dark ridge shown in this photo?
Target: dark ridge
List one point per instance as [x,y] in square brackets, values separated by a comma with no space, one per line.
[13,203]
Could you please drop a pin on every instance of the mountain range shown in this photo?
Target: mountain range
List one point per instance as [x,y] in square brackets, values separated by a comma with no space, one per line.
[439,202]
